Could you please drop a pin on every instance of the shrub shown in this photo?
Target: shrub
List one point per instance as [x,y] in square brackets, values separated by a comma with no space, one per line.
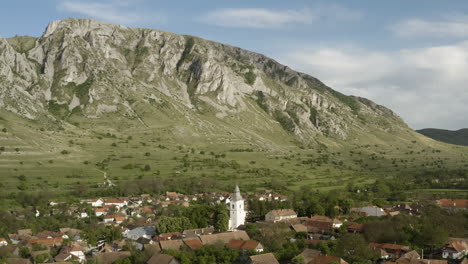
[65,152]
[250,77]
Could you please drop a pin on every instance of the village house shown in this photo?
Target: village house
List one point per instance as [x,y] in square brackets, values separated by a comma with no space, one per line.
[331,223]
[3,242]
[159,258]
[224,237]
[309,254]
[280,215]
[100,211]
[413,257]
[327,260]
[97,203]
[369,211]
[193,243]
[119,203]
[141,232]
[198,232]
[245,245]
[71,252]
[455,249]
[267,258]
[18,261]
[390,251]
[111,257]
[459,204]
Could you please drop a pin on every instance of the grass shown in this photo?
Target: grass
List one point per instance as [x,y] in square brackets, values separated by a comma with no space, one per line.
[181,152]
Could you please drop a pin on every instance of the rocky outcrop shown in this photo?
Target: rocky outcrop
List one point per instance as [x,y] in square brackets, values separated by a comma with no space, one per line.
[97,69]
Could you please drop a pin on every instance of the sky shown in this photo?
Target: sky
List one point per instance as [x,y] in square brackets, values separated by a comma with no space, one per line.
[410,56]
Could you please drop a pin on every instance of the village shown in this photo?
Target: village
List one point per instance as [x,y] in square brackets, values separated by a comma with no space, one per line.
[136,230]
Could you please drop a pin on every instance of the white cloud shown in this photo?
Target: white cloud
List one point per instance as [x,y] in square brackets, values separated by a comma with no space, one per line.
[269,18]
[257,17]
[111,11]
[426,86]
[455,26]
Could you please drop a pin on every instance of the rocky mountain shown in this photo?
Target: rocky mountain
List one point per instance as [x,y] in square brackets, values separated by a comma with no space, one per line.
[82,70]
[458,137]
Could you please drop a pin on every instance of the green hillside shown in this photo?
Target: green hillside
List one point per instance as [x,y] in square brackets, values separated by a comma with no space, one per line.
[458,137]
[156,111]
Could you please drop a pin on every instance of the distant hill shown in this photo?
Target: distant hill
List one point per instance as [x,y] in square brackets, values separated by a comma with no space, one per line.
[459,137]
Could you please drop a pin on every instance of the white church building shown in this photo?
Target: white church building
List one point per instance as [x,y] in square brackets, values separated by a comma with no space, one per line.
[237,212]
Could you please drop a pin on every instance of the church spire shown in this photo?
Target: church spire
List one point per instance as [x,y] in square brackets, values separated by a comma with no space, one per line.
[237,196]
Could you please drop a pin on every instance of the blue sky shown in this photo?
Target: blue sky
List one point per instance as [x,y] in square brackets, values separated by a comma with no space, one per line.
[411,56]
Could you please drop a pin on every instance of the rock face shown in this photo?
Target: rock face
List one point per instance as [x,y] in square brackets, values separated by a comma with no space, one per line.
[95,70]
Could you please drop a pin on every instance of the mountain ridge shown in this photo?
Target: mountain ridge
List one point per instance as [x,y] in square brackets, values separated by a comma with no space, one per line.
[456,137]
[194,64]
[147,106]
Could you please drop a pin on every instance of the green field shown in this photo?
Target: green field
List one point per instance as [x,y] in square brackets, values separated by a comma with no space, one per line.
[57,159]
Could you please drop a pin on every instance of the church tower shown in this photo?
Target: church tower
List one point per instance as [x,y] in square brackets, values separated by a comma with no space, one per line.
[236,210]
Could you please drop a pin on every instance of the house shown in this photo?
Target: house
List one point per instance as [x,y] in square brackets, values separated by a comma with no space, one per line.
[459,204]
[267,258]
[144,231]
[354,227]
[109,219]
[162,259]
[455,250]
[97,203]
[280,215]
[171,244]
[118,219]
[116,202]
[100,211]
[370,211]
[393,251]
[48,242]
[72,252]
[193,243]
[223,237]
[18,261]
[198,232]
[245,245]
[327,260]
[309,254]
[141,243]
[24,232]
[111,257]
[168,236]
[299,228]
[413,257]
[3,242]
[409,257]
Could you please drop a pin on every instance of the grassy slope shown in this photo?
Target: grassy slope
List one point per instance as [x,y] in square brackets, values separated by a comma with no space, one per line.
[169,142]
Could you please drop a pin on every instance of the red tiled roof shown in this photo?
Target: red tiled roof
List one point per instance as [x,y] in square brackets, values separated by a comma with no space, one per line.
[327,260]
[462,203]
[250,244]
[193,243]
[235,244]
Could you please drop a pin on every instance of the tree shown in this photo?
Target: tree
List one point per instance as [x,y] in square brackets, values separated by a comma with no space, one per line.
[299,259]
[221,219]
[354,249]
[172,224]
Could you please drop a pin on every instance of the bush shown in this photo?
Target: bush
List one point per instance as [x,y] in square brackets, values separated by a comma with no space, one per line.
[250,77]
[65,152]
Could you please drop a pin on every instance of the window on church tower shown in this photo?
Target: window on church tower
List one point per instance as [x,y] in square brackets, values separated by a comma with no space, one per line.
[233,206]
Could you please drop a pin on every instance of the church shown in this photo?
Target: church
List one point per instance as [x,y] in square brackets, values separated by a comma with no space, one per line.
[237,212]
